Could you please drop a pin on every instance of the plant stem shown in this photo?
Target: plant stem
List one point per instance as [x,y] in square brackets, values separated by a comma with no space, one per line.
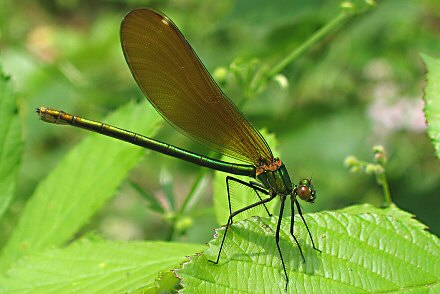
[315,38]
[189,200]
[386,190]
[172,231]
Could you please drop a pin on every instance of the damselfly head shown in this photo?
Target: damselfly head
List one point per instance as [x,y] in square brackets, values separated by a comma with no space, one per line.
[305,190]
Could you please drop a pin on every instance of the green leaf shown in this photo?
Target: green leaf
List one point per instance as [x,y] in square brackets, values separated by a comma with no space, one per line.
[151,199]
[79,186]
[166,282]
[241,196]
[361,253]
[11,144]
[97,267]
[432,100]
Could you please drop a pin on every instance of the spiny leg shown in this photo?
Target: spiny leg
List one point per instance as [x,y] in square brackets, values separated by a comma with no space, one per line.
[292,219]
[234,214]
[305,223]
[257,187]
[277,238]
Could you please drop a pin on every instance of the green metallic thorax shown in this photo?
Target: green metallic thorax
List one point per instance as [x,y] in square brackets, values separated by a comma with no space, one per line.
[277,181]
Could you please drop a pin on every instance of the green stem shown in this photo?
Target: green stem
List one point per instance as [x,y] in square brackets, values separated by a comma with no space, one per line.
[381,179]
[189,200]
[194,189]
[315,38]
[386,190]
[172,231]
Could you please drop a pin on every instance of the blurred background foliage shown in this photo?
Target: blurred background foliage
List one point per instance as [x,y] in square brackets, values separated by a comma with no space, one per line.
[359,87]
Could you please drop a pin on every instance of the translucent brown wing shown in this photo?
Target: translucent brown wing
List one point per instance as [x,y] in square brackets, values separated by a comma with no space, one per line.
[178,85]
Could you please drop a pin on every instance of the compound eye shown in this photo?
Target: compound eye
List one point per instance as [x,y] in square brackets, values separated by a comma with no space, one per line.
[304,193]
[305,190]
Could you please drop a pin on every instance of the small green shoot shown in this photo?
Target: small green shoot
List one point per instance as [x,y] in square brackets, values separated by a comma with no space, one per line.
[377,168]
